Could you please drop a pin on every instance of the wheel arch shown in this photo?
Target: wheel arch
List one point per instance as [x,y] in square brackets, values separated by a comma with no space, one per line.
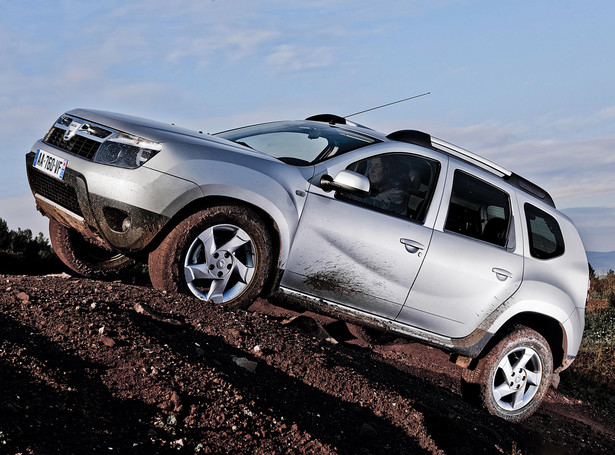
[544,308]
[210,201]
[550,328]
[276,191]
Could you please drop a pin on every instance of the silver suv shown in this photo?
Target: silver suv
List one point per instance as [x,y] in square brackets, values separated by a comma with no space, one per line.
[403,232]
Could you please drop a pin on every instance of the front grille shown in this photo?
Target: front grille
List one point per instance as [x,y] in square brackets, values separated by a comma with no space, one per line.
[77,145]
[55,190]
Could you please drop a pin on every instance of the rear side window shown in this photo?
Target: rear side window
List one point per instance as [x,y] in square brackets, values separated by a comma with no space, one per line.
[478,210]
[546,239]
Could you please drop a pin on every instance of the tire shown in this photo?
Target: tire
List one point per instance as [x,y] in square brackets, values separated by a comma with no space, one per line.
[512,379]
[221,254]
[85,257]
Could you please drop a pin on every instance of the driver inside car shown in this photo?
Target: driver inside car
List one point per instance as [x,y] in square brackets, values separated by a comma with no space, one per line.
[385,190]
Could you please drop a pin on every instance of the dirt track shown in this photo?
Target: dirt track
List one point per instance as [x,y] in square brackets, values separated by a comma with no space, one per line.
[95,367]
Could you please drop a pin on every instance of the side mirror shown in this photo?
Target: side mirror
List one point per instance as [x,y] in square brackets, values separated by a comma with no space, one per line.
[345,181]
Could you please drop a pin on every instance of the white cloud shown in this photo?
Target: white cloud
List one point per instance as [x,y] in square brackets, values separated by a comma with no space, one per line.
[576,173]
[607,113]
[144,96]
[288,57]
[218,44]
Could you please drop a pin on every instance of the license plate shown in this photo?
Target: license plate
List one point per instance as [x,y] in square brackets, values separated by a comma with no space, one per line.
[50,164]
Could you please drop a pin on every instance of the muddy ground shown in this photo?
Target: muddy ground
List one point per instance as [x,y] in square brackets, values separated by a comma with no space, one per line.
[96,367]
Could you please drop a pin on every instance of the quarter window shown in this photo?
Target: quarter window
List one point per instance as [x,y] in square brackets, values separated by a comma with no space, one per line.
[400,184]
[546,239]
[478,210]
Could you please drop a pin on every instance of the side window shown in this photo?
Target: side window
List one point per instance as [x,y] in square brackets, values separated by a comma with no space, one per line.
[478,210]
[400,184]
[546,239]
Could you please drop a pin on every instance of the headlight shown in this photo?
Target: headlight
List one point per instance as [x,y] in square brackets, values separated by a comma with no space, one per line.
[126,150]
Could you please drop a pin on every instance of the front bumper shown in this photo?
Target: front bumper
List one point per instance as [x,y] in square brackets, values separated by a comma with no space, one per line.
[95,200]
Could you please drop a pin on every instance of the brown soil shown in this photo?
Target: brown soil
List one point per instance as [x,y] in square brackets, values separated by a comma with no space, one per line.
[96,367]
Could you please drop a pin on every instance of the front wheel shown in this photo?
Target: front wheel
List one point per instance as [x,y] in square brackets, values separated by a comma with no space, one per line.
[85,257]
[221,254]
[513,378]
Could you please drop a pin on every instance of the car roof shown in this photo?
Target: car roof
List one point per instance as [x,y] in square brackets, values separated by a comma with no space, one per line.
[425,140]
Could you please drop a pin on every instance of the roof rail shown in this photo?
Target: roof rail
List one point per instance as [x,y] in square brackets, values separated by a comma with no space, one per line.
[447,146]
[529,187]
[425,140]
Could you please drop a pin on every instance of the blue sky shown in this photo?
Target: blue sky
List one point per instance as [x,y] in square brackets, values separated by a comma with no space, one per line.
[526,84]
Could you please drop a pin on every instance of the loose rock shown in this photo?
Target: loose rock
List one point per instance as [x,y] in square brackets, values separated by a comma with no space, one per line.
[245,363]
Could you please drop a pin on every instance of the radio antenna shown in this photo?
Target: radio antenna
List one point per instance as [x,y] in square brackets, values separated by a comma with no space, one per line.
[388,104]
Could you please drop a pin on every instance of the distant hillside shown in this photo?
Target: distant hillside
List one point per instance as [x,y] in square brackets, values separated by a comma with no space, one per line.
[601,262]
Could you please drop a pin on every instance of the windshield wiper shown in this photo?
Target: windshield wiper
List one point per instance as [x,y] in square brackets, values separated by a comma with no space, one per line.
[244,144]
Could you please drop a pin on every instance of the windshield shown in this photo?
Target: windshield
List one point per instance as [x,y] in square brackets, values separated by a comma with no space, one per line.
[299,143]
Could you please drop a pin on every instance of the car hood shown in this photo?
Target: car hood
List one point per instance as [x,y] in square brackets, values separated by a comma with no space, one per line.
[150,129]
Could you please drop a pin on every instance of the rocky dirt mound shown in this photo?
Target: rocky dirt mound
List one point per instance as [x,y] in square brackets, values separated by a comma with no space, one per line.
[95,367]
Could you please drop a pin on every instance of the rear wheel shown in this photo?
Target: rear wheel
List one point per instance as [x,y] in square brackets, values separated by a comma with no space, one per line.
[221,254]
[83,256]
[513,378]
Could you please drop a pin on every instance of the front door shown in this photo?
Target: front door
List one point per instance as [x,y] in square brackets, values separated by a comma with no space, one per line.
[364,252]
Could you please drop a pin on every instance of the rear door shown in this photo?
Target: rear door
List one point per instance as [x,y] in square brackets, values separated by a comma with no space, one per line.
[475,260]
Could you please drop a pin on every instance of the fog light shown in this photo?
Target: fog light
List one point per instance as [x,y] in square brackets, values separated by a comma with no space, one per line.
[126,224]
[118,220]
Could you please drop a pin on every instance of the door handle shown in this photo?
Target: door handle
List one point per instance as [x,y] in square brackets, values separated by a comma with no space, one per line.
[502,274]
[412,246]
